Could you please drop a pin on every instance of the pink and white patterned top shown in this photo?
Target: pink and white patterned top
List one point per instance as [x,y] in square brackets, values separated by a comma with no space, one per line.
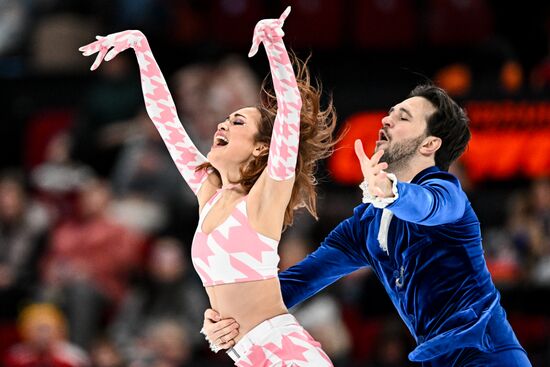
[234,251]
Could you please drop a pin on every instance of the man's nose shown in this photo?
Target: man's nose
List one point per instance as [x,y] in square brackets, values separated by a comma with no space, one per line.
[387,121]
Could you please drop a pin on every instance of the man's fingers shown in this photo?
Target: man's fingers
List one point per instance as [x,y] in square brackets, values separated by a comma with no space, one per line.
[376,156]
[359,151]
[226,324]
[226,340]
[363,159]
[211,315]
[227,345]
[380,167]
[223,335]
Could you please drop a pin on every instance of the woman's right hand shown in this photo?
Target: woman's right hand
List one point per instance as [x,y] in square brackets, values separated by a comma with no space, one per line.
[115,42]
[219,332]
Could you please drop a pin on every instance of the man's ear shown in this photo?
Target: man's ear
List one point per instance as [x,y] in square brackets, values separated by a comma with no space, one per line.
[259,149]
[430,145]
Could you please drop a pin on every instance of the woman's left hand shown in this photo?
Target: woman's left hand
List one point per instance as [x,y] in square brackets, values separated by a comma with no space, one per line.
[268,30]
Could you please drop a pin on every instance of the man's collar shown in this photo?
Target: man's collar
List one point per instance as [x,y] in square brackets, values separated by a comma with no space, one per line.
[424,172]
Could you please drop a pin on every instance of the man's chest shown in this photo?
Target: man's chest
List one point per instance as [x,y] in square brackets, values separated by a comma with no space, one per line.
[391,240]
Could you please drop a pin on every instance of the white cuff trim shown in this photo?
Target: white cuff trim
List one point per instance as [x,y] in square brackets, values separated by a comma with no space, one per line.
[376,201]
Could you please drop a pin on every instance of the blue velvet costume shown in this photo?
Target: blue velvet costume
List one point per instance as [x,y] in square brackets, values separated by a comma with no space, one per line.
[432,267]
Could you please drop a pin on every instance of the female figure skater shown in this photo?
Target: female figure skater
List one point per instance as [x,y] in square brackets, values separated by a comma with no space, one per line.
[259,170]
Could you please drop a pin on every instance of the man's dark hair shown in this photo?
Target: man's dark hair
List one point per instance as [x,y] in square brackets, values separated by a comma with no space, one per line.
[449,123]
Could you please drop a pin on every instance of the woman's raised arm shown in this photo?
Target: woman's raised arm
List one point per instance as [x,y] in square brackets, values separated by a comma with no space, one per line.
[283,151]
[158,101]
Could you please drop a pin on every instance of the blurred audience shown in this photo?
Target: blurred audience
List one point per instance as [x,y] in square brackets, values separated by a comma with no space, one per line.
[169,291]
[207,93]
[148,186]
[392,347]
[43,330]
[14,17]
[520,251]
[165,344]
[103,353]
[23,229]
[540,199]
[89,262]
[114,96]
[59,178]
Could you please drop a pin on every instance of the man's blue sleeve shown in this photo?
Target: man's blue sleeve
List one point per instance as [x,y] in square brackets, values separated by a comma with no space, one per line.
[434,202]
[340,254]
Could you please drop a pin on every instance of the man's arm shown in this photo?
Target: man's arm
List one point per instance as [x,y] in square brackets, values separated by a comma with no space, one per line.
[341,253]
[438,200]
[434,202]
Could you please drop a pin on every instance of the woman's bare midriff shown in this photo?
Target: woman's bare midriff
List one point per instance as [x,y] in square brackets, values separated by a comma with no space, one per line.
[249,303]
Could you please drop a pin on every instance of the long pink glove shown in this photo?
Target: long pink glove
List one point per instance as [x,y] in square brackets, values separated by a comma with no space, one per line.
[283,151]
[158,100]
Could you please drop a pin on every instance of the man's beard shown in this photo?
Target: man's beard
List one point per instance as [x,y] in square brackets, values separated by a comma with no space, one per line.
[399,155]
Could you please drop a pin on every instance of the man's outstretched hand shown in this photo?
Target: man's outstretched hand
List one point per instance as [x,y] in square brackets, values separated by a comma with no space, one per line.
[219,332]
[379,185]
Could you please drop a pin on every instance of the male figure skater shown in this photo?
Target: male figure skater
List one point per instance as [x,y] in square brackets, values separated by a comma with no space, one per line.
[418,232]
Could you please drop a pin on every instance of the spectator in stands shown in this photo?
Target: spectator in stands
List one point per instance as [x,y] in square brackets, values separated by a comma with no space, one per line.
[170,291]
[148,185]
[98,111]
[540,201]
[103,353]
[23,228]
[165,344]
[58,179]
[391,347]
[43,329]
[89,261]
[204,92]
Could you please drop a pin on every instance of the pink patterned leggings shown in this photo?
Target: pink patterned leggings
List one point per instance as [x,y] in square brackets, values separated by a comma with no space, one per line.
[279,341]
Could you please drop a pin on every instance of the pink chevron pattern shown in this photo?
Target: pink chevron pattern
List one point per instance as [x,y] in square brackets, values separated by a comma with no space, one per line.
[234,252]
[283,151]
[158,100]
[288,345]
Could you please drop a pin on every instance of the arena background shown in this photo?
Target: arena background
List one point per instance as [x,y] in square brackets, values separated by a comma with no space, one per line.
[89,193]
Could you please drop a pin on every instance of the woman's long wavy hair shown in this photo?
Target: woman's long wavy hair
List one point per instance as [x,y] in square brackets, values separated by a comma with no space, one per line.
[316,140]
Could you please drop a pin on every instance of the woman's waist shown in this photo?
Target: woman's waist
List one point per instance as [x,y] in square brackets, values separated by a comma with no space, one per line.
[249,303]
